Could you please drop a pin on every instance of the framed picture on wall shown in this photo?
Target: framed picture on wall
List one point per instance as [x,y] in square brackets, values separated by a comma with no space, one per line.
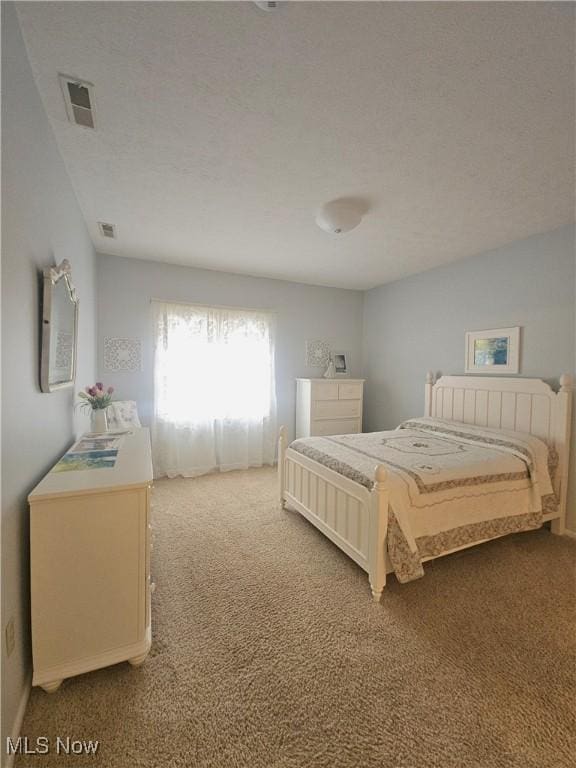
[496,351]
[340,364]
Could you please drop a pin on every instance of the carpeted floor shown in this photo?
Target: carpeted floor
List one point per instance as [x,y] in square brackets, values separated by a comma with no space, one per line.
[269,653]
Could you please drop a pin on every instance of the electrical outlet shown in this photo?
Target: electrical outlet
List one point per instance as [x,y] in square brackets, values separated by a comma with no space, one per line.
[10,639]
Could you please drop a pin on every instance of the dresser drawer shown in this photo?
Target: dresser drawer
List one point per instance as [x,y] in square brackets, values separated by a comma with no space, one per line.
[350,390]
[338,401]
[324,390]
[335,427]
[336,409]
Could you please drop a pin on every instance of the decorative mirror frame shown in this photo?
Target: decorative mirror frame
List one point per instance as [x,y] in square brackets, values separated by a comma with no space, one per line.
[53,275]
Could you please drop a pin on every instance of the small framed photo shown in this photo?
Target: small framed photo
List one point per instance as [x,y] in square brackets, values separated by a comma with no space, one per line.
[496,351]
[340,364]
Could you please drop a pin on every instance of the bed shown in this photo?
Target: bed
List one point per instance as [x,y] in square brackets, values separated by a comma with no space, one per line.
[490,457]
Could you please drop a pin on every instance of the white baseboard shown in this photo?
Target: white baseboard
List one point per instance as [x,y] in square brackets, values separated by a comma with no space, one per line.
[569,533]
[8,760]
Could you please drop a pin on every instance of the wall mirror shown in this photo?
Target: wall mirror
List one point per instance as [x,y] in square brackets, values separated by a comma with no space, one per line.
[59,329]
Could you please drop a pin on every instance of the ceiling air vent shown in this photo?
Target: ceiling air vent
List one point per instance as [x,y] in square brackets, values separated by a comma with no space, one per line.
[107,230]
[79,99]
[271,6]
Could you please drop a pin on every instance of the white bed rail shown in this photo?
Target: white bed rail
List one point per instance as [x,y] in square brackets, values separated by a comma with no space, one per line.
[351,516]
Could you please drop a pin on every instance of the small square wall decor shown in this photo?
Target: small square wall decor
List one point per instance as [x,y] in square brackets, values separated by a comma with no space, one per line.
[317,354]
[496,351]
[122,355]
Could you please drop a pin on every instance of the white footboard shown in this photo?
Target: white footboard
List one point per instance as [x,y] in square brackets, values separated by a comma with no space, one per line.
[350,515]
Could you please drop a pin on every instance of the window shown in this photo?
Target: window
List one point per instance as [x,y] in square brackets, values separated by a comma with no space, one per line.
[215,403]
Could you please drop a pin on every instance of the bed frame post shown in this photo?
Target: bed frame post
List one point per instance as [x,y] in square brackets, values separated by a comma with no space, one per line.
[282,445]
[428,394]
[562,443]
[378,528]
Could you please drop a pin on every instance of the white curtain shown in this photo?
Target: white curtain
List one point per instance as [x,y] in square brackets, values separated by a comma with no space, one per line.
[214,389]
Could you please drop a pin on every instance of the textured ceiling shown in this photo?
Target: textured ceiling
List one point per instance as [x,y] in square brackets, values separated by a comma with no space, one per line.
[221,129]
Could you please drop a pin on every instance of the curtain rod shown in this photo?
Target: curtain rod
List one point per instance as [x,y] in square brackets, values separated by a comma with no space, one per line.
[211,306]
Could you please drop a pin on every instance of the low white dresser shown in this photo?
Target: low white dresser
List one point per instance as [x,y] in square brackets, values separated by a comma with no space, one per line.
[328,406]
[90,565]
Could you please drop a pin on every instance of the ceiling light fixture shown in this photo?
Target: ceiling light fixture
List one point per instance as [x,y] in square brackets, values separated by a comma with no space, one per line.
[339,216]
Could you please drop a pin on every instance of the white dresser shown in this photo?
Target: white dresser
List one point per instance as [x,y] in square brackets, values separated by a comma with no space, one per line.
[90,565]
[328,406]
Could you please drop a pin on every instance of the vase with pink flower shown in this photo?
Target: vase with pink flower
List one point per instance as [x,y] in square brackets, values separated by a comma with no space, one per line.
[96,399]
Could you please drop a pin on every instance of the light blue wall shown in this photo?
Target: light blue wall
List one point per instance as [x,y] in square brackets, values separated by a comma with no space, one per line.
[41,224]
[410,326]
[418,323]
[125,287]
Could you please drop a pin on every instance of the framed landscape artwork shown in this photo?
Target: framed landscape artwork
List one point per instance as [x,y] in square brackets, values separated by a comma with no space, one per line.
[496,351]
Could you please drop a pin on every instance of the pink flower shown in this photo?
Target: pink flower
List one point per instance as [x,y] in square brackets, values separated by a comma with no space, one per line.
[110,390]
[99,385]
[92,391]
[88,389]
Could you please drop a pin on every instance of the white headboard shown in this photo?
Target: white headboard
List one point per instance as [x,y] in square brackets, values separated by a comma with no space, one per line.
[525,405]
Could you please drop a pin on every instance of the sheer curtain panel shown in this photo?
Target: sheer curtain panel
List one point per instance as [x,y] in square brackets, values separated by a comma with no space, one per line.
[214,389]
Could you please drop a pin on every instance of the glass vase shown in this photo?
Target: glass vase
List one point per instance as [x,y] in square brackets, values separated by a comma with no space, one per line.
[99,420]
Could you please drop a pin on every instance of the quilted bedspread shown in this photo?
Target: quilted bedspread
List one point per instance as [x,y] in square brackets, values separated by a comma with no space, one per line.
[451,484]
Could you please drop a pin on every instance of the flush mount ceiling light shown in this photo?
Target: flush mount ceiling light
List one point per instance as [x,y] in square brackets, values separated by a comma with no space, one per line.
[339,216]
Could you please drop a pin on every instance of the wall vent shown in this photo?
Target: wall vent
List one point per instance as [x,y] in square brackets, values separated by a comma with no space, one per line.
[107,230]
[270,6]
[79,100]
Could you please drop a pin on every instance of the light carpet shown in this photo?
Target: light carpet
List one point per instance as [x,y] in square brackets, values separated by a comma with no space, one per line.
[269,653]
